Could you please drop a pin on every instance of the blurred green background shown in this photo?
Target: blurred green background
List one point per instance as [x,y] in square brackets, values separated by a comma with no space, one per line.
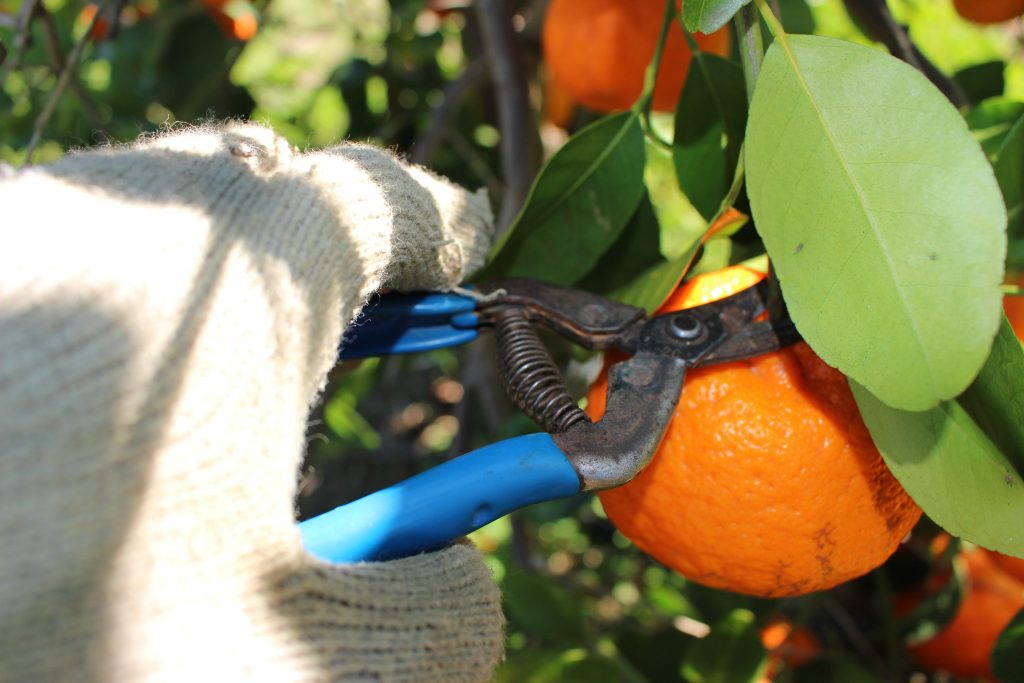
[582,604]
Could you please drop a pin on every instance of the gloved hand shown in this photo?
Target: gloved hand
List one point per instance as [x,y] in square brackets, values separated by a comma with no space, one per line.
[168,312]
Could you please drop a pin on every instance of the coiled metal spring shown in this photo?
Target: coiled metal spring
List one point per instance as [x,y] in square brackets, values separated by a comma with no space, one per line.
[530,376]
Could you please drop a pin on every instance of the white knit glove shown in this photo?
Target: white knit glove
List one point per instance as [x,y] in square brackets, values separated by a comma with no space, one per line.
[168,313]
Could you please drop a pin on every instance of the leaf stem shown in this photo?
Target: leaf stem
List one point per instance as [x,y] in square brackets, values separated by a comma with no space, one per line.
[774,25]
[643,104]
[748,28]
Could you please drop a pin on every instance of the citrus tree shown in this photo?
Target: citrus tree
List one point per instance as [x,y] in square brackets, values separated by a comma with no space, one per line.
[883,223]
[849,508]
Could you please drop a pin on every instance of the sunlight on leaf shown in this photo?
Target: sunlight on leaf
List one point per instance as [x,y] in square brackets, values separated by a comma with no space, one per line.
[882,217]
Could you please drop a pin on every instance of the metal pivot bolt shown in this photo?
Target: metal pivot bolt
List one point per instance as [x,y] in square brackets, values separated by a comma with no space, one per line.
[685,327]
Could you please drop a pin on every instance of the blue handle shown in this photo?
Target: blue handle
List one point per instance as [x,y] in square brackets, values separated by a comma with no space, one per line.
[408,323]
[429,510]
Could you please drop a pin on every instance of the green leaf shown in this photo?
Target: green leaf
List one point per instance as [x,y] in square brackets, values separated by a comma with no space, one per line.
[995,401]
[991,120]
[341,416]
[731,653]
[934,612]
[833,671]
[578,205]
[1008,163]
[796,16]
[651,289]
[709,15]
[542,608]
[671,602]
[657,655]
[1008,654]
[636,250]
[982,81]
[881,215]
[571,666]
[710,119]
[951,469]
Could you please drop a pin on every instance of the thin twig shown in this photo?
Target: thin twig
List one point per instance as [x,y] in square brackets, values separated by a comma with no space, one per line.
[857,639]
[62,82]
[476,163]
[3,52]
[112,14]
[426,145]
[22,36]
[875,16]
[57,64]
[520,144]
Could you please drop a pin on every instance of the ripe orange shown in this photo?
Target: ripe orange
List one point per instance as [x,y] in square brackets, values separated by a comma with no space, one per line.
[1013,306]
[767,481]
[238,21]
[559,107]
[989,11]
[964,647]
[101,29]
[1014,566]
[787,647]
[597,50]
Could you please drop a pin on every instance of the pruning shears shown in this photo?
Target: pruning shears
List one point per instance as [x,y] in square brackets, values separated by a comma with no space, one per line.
[573,454]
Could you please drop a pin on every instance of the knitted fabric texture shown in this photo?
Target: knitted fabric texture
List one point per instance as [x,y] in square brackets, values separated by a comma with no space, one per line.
[169,310]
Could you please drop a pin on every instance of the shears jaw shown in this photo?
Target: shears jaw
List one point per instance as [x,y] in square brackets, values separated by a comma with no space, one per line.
[642,396]
[644,390]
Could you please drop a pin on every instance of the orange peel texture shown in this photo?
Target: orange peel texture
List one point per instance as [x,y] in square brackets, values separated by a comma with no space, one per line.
[767,482]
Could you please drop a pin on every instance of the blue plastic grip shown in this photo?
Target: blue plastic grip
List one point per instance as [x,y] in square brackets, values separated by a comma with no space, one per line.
[407,323]
[431,509]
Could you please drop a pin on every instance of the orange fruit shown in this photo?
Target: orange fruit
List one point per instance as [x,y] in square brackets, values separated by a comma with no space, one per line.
[787,646]
[101,29]
[767,481]
[1013,306]
[1013,566]
[559,107]
[989,11]
[964,647]
[598,50]
[236,20]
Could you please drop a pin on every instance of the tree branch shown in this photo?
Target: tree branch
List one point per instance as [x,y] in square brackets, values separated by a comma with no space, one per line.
[426,145]
[22,37]
[53,53]
[520,145]
[62,83]
[875,17]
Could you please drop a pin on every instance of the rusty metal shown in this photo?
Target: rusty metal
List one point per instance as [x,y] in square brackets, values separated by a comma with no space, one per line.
[642,391]
[588,319]
[530,376]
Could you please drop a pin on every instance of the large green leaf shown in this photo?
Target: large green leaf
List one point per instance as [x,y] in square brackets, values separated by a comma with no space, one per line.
[710,118]
[936,610]
[543,608]
[991,120]
[982,81]
[1009,167]
[882,217]
[951,469]
[995,401]
[731,653]
[571,666]
[578,205]
[636,250]
[709,15]
[1008,654]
